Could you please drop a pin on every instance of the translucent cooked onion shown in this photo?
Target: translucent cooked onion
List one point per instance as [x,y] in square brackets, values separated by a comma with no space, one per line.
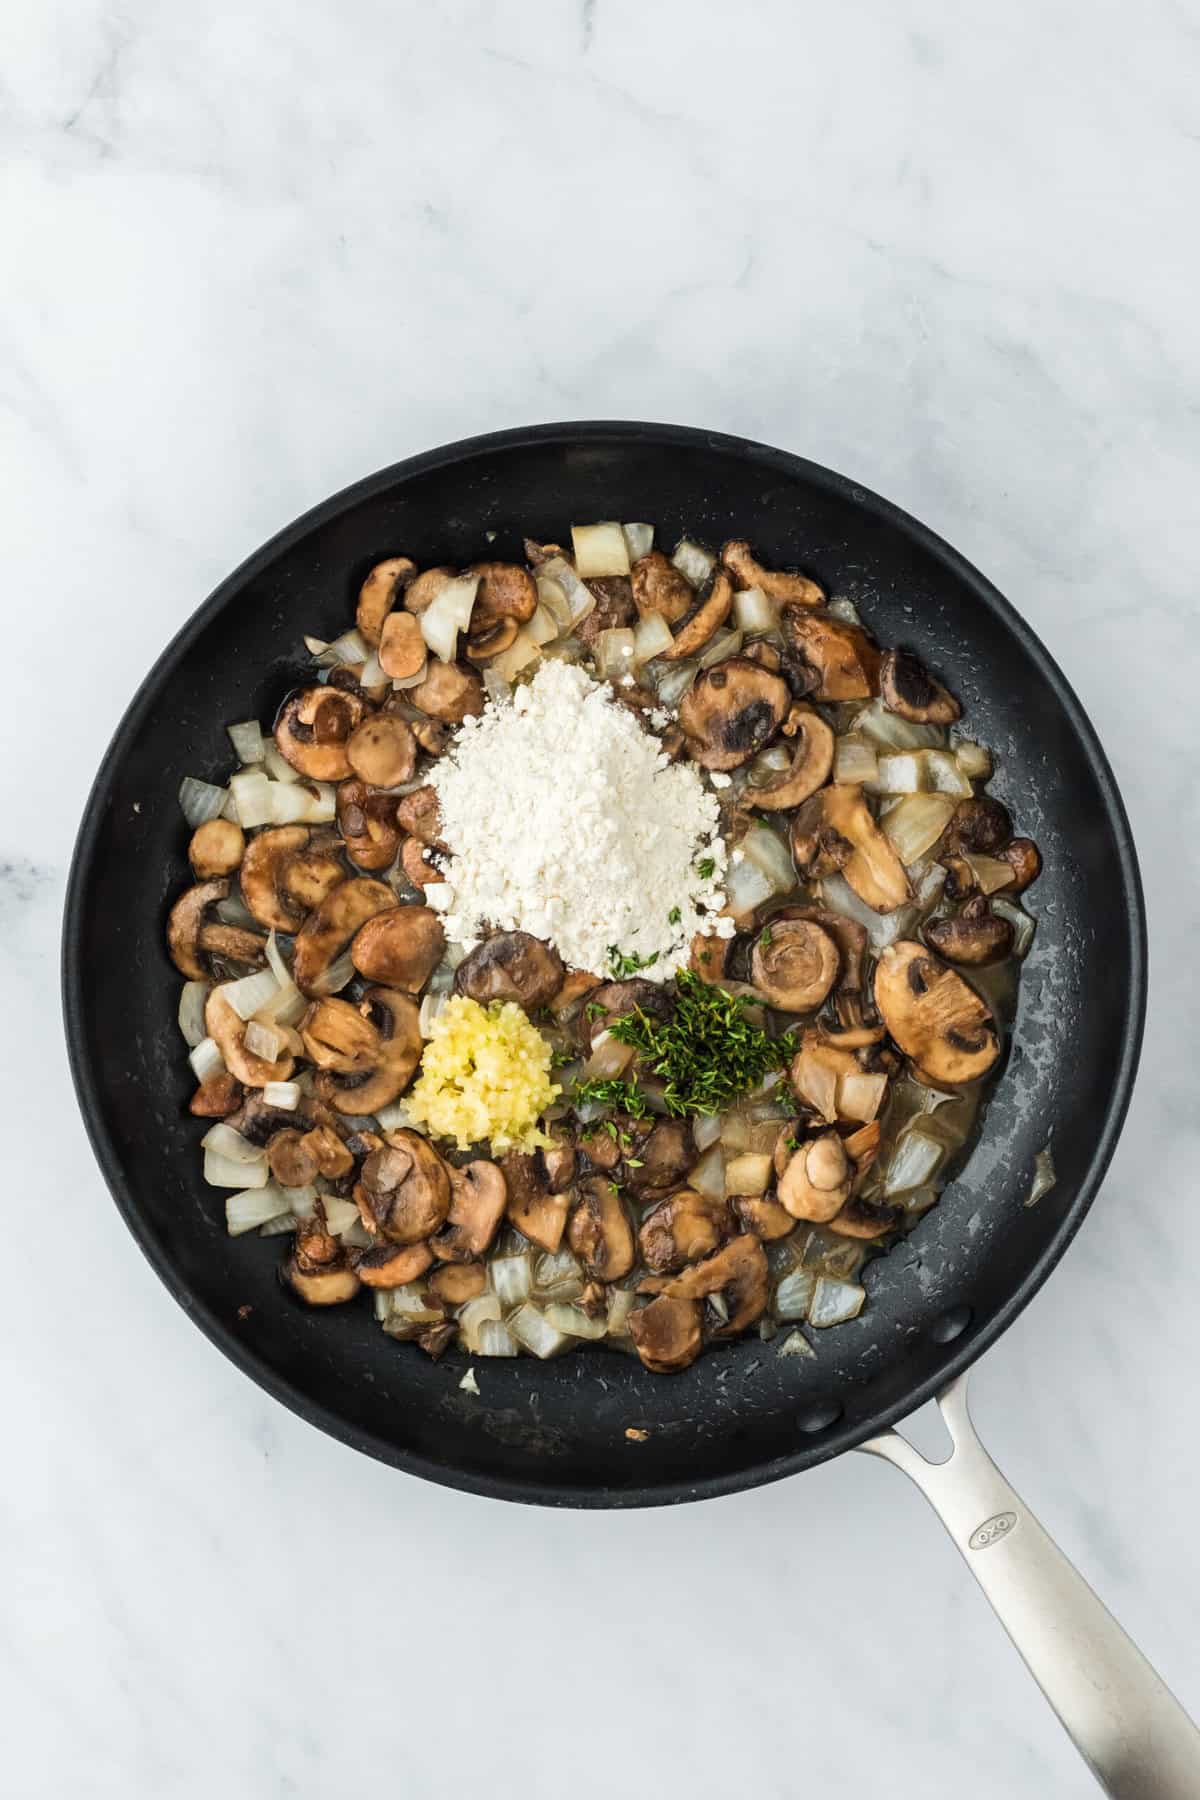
[891,732]
[192,997]
[264,1040]
[533,1330]
[915,823]
[224,1172]
[614,653]
[557,1275]
[247,741]
[639,540]
[402,683]
[860,1097]
[495,1339]
[651,637]
[512,1279]
[250,993]
[251,1207]
[754,612]
[708,1175]
[1023,925]
[496,687]
[338,974]
[914,1161]
[206,1060]
[694,562]
[609,1058]
[372,674]
[975,760]
[431,1006]
[794,1295]
[351,647]
[341,1215]
[301,1201]
[544,627]
[706,1130]
[286,1006]
[251,792]
[200,801]
[990,872]
[580,598]
[523,650]
[720,648]
[483,1310]
[834,1302]
[553,596]
[817,1083]
[854,760]
[882,928]
[735,1129]
[223,1140]
[768,852]
[920,772]
[447,615]
[285,1095]
[573,1322]
[600,550]
[277,765]
[749,1173]
[746,888]
[769,764]
[279,1226]
[672,680]
[620,1305]
[275,960]
[844,608]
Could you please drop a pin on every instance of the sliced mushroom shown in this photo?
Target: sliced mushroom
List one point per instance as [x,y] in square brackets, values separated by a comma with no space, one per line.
[907,689]
[809,769]
[498,637]
[449,692]
[398,1046]
[708,618]
[434,1340]
[577,987]
[849,936]
[708,955]
[284,874]
[368,825]
[978,827]
[291,1161]
[658,586]
[537,1212]
[835,830]
[841,656]
[1024,859]
[862,1147]
[600,1233]
[512,965]
[383,751]
[418,864]
[333,1158]
[228,1031]
[934,1016]
[324,1286]
[867,1219]
[816,1183]
[738,1273]
[402,649]
[403,1190]
[217,1097]
[601,1145]
[662,1154]
[216,848]
[766,654]
[457,1283]
[683,1229]
[731,712]
[478,1197]
[382,589]
[505,599]
[432,735]
[616,999]
[974,936]
[392,1265]
[425,589]
[185,923]
[419,815]
[401,948]
[558,1160]
[336,1036]
[786,588]
[763,1216]
[794,964]
[666,1334]
[313,729]
[327,931]
[614,608]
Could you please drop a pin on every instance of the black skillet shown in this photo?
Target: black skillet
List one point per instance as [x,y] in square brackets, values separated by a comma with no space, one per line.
[554,1433]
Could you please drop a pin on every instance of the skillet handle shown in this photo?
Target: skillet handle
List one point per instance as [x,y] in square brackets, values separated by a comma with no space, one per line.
[1125,1722]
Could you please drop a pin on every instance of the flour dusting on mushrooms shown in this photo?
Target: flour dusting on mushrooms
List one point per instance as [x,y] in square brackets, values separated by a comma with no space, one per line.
[565,819]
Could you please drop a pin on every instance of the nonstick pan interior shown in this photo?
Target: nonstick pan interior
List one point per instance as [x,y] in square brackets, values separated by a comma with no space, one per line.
[556,1432]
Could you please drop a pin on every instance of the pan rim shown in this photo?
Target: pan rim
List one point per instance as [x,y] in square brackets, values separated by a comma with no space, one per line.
[834,1441]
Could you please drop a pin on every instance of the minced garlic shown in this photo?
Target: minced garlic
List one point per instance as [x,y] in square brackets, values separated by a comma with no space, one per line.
[484,1078]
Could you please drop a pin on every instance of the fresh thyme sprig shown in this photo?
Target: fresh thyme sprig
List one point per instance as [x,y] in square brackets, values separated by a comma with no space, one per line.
[706,1053]
[623,1096]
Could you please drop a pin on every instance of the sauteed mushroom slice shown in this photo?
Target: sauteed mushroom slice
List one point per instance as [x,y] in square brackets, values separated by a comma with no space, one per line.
[456,1283]
[812,761]
[402,649]
[328,930]
[216,848]
[425,589]
[449,692]
[738,1273]
[512,965]
[834,830]
[217,1097]
[659,587]
[285,873]
[794,964]
[432,735]
[849,936]
[866,1219]
[185,923]
[418,864]
[841,656]
[708,618]
[313,729]
[978,827]
[392,1265]
[324,1285]
[333,1158]
[228,1031]
[613,610]
[600,1233]
[816,1183]
[419,815]
[763,1216]
[400,948]
[682,1229]
[975,935]
[1024,859]
[907,689]
[337,1037]
[382,751]
[505,591]
[666,1334]
[538,1213]
[934,1016]
[731,712]
[396,1052]
[785,588]
[615,999]
[478,1197]
[662,1154]
[379,593]
[368,825]
[403,1191]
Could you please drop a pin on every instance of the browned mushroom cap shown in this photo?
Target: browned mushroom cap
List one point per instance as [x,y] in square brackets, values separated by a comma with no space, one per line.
[794,964]
[659,587]
[404,1188]
[336,1036]
[816,1183]
[577,986]
[329,928]
[666,1334]
[434,1340]
[402,649]
[738,1273]
[1024,859]
[511,966]
[291,1161]
[285,873]
[763,1216]
[662,1154]
[812,761]
[862,1147]
[849,936]
[559,1160]
[228,1031]
[761,652]
[392,1265]
[378,594]
[841,656]
[501,635]
[616,999]
[907,688]
[708,955]
[257,1122]
[216,848]
[217,1097]
[478,1197]
[708,618]
[505,598]
[418,864]
[456,1283]
[865,1219]
[185,923]
[333,1158]
[935,1018]
[425,589]
[383,751]
[313,728]
[787,589]
[614,608]
[370,1085]
[835,830]
[449,692]
[978,827]
[368,825]
[975,935]
[326,1286]
[419,815]
[538,1213]
[683,1229]
[600,1233]
[432,735]
[401,948]
[731,712]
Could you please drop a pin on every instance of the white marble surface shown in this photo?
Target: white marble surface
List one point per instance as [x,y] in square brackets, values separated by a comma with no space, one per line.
[254,251]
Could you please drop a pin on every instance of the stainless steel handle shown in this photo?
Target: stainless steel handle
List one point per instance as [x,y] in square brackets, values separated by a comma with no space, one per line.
[1128,1726]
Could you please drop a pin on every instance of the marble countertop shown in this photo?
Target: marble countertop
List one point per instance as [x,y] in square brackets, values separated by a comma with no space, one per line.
[254,252]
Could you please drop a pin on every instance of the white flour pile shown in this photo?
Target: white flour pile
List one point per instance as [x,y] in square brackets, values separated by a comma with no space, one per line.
[565,819]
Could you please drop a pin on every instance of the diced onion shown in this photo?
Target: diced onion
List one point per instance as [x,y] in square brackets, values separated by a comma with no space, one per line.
[192,997]
[854,760]
[1045,1176]
[340,1214]
[496,687]
[286,1006]
[882,928]
[200,800]
[251,792]
[401,683]
[614,653]
[351,647]
[572,1321]
[708,1175]
[672,680]
[794,1295]
[990,872]
[580,598]
[796,1344]
[749,1173]
[651,637]
[223,1140]
[815,1081]
[746,887]
[834,1302]
[915,1159]
[609,1058]
[543,628]
[523,650]
[275,960]
[916,823]
[722,646]
[767,850]
[512,1279]
[620,1305]
[600,550]
[447,615]
[336,976]
[892,732]
[283,1094]
[431,1006]
[753,611]
[279,1226]
[532,1329]
[975,760]
[263,1040]
[394,1117]
[553,596]
[694,563]
[250,993]
[277,765]
[706,1130]
[301,1201]
[251,1207]
[639,540]
[495,1339]
[860,1097]
[206,1060]
[247,741]
[372,673]
[484,1309]
[920,771]
[1023,925]
[223,1172]
[558,1275]
[844,608]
